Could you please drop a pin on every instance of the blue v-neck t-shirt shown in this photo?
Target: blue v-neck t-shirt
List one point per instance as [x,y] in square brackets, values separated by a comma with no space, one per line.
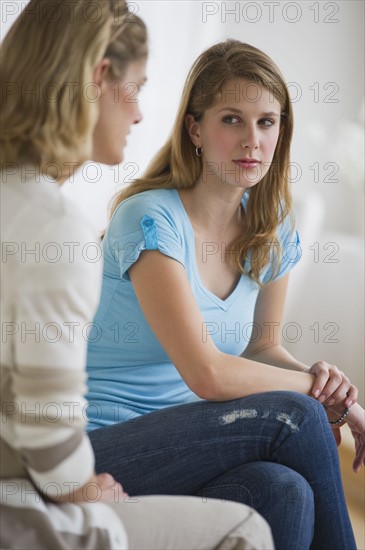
[129,372]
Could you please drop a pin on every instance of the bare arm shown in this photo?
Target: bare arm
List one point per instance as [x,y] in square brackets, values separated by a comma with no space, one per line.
[268,317]
[330,385]
[166,299]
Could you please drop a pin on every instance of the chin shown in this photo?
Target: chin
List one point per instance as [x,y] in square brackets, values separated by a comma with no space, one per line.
[251,182]
[118,157]
[112,160]
[108,157]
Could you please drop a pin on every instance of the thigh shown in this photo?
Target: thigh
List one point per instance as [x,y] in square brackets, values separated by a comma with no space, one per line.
[180,449]
[177,450]
[188,523]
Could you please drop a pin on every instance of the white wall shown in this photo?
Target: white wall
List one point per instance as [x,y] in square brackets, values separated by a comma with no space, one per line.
[319,47]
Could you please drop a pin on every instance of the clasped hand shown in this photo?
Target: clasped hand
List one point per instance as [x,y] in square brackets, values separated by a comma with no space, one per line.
[334,390]
[331,386]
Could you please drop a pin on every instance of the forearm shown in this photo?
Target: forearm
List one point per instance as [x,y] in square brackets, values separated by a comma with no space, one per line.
[234,377]
[356,413]
[277,356]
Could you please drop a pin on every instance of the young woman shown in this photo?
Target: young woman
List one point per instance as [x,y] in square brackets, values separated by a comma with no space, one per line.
[67,73]
[197,257]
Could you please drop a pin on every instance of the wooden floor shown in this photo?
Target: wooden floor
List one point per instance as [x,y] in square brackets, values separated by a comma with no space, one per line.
[354,485]
[357,519]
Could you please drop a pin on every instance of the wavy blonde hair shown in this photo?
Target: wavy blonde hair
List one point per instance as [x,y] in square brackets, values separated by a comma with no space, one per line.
[49,106]
[177,166]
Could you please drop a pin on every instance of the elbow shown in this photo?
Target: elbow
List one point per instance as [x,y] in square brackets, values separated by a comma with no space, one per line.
[206,386]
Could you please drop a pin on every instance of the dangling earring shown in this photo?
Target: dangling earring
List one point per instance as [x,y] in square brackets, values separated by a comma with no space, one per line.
[199,151]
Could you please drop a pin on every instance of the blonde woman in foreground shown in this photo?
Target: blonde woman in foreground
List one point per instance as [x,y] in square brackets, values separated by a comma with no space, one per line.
[190,390]
[68,53]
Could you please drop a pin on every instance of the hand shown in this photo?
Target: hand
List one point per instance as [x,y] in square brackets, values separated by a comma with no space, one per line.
[102,488]
[332,386]
[356,422]
[99,488]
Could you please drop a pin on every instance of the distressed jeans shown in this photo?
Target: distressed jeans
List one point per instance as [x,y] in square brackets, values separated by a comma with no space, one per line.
[272,451]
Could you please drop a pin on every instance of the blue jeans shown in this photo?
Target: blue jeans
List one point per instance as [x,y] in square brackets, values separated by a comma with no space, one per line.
[273,451]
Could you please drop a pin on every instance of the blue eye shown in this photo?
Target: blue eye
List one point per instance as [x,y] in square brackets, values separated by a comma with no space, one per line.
[230,119]
[267,122]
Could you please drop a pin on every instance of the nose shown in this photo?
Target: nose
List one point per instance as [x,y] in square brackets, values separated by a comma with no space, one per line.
[137,115]
[250,139]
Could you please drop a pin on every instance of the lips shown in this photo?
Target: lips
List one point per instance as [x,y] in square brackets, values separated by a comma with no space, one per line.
[247,162]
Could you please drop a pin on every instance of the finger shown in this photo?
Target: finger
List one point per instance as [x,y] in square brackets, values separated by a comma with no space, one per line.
[319,383]
[120,489]
[332,385]
[106,477]
[106,481]
[339,395]
[352,395]
[359,459]
[357,464]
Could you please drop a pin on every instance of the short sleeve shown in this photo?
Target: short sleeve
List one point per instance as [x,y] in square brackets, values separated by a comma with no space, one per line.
[142,223]
[291,252]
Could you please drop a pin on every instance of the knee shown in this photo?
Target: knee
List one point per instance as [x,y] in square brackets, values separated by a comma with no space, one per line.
[275,485]
[295,492]
[291,408]
[293,401]
[285,398]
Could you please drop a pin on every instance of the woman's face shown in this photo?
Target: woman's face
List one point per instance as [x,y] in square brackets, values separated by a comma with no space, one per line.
[119,109]
[238,134]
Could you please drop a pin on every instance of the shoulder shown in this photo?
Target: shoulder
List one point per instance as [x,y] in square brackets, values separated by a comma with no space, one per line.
[150,220]
[159,199]
[36,209]
[47,237]
[161,205]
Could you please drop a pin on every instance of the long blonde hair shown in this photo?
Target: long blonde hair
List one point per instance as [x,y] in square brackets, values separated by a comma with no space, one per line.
[49,103]
[177,166]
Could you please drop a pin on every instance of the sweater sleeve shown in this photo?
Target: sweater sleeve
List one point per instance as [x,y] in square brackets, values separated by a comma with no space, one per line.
[58,293]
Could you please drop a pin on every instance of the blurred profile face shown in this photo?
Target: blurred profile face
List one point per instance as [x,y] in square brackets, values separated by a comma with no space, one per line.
[119,110]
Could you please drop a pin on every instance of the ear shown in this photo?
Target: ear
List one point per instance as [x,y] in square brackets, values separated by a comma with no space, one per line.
[193,129]
[101,71]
